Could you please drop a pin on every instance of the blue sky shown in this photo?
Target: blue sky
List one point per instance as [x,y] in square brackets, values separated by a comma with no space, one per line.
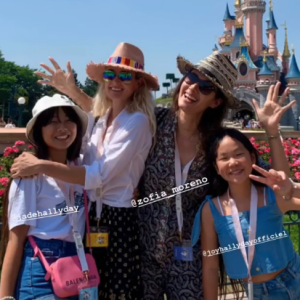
[89,30]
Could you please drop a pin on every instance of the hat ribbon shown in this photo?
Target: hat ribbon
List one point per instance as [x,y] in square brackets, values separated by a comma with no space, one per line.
[125,61]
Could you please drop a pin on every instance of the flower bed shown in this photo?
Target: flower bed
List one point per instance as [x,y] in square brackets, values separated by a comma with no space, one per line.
[291,148]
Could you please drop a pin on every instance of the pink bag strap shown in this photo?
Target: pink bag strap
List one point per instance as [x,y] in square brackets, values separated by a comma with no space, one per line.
[38,252]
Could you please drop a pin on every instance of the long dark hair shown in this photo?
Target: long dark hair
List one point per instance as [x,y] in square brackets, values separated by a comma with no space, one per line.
[219,186]
[212,118]
[41,151]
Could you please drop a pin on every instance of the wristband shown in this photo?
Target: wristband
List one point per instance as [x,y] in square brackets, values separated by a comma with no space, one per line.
[273,136]
[8,297]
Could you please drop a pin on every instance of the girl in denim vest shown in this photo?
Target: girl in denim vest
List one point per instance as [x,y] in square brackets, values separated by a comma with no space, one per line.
[242,223]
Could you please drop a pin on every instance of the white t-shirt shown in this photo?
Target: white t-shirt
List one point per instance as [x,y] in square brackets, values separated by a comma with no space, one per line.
[44,206]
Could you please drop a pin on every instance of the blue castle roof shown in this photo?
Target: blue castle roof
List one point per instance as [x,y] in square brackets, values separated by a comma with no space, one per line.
[270,62]
[272,24]
[227,15]
[215,48]
[239,36]
[265,70]
[226,49]
[245,55]
[294,70]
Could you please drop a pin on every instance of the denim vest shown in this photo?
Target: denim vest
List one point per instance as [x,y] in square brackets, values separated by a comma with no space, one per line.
[273,247]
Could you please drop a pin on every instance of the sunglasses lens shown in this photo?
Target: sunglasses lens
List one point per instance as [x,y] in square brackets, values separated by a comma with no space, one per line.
[205,87]
[125,77]
[109,75]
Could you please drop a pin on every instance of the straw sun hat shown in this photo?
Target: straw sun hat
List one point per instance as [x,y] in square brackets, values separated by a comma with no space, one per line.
[127,57]
[47,102]
[218,65]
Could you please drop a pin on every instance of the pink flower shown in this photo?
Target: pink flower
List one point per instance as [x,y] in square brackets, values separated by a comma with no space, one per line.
[8,151]
[2,192]
[19,143]
[297,163]
[4,181]
[30,147]
[261,152]
[268,150]
[270,160]
[297,175]
[252,140]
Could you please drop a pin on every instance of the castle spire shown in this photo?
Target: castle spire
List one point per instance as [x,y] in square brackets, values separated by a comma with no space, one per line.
[272,24]
[294,72]
[265,70]
[227,15]
[286,51]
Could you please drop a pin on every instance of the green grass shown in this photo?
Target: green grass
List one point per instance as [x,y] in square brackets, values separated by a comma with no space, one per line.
[163,100]
[293,231]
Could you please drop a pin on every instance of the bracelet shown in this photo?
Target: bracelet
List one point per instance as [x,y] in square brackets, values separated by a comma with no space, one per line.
[273,136]
[8,297]
[291,193]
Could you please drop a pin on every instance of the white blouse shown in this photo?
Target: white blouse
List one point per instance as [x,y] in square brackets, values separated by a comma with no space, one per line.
[115,166]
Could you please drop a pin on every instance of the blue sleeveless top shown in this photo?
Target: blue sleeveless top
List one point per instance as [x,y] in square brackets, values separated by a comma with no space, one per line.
[273,247]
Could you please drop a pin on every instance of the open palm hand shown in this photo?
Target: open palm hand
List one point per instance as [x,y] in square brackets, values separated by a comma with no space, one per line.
[272,111]
[58,79]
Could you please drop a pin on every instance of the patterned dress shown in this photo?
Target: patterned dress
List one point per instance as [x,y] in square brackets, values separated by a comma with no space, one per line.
[158,226]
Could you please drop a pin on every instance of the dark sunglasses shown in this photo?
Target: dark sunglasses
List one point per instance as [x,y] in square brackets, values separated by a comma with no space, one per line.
[110,75]
[205,87]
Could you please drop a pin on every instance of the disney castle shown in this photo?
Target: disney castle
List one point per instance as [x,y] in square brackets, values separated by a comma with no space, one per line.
[259,65]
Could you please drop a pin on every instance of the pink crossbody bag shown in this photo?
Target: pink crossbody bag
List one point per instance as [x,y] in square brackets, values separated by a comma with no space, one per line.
[70,274]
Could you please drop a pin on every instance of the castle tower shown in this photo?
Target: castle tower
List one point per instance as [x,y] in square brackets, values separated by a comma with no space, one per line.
[253,11]
[265,79]
[229,23]
[286,54]
[293,81]
[239,37]
[238,10]
[293,76]
[271,33]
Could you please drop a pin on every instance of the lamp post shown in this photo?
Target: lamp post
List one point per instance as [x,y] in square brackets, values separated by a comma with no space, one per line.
[21,102]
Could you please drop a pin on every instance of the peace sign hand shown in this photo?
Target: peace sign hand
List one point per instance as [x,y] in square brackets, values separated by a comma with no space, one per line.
[276,180]
[63,82]
[272,111]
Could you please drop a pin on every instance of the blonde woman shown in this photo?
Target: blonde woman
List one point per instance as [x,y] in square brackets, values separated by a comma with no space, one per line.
[120,132]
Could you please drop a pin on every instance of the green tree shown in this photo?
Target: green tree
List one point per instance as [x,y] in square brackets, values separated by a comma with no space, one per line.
[90,87]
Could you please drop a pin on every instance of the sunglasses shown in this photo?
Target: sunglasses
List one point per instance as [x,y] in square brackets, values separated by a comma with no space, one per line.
[110,75]
[205,87]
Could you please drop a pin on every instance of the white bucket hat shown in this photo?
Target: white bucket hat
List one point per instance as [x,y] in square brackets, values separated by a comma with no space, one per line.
[47,102]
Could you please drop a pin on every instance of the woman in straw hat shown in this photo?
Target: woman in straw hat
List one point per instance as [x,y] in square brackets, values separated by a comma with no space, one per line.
[120,132]
[177,167]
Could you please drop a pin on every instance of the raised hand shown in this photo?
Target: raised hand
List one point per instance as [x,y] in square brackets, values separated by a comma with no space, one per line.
[270,114]
[276,180]
[63,82]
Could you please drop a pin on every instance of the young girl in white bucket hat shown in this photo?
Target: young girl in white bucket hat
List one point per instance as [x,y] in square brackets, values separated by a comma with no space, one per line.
[40,208]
